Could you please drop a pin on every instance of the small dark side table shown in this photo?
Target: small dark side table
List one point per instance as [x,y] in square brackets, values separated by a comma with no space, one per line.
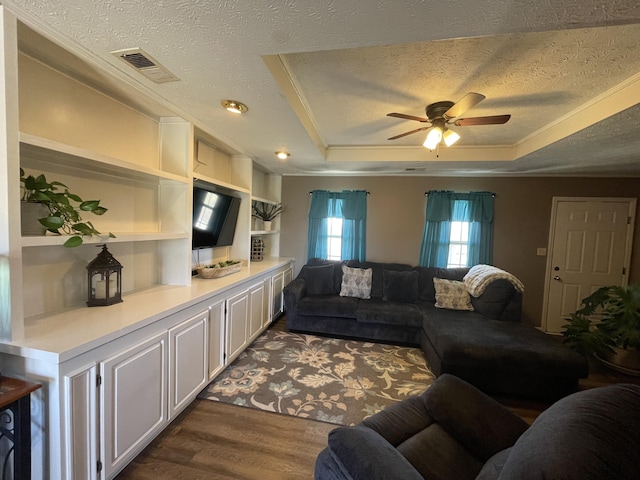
[15,397]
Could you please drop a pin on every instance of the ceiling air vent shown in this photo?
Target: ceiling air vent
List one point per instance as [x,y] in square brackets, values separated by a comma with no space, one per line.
[146,65]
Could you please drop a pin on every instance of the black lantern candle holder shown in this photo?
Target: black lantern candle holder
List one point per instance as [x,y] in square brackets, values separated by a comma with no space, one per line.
[105,280]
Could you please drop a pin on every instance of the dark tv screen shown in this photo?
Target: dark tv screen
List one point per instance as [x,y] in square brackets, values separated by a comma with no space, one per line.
[215,216]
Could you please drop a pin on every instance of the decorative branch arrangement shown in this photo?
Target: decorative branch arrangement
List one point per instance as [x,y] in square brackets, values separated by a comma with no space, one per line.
[266,211]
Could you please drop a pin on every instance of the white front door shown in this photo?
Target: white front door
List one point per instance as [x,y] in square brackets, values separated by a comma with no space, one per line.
[589,247]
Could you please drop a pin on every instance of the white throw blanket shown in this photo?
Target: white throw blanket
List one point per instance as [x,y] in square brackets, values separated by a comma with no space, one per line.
[479,276]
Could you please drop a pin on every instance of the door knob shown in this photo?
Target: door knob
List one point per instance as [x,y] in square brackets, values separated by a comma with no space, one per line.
[557,278]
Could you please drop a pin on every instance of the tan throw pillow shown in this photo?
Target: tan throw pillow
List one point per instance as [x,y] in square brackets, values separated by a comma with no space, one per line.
[452,294]
[356,282]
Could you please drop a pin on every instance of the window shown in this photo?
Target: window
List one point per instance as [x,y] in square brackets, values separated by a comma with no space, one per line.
[458,245]
[458,230]
[334,238]
[337,225]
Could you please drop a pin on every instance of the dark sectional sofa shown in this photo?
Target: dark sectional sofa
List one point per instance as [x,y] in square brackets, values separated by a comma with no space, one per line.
[489,347]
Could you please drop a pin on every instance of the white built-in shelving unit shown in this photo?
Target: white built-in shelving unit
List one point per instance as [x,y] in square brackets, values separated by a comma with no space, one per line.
[134,155]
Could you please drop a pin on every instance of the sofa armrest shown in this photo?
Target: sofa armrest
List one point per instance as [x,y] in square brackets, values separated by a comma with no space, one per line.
[359,453]
[500,301]
[474,419]
[293,292]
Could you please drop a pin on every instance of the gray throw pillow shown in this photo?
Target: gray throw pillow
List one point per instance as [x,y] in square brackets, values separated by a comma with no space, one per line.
[400,286]
[319,279]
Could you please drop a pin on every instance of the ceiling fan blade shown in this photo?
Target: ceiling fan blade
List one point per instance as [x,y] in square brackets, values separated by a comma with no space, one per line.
[407,117]
[408,133]
[464,104]
[491,120]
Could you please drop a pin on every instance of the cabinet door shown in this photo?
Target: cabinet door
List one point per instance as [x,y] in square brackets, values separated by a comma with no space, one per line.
[288,276]
[277,284]
[188,362]
[237,324]
[216,339]
[256,310]
[267,301]
[134,401]
[80,424]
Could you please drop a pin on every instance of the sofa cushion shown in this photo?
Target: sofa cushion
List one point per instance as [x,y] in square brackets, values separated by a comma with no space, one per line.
[319,279]
[376,310]
[328,306]
[492,354]
[400,286]
[356,282]
[452,294]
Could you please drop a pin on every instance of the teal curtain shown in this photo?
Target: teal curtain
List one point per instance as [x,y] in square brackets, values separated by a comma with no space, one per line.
[351,206]
[444,207]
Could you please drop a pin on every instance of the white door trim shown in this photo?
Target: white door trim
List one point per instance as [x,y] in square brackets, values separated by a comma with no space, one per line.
[552,225]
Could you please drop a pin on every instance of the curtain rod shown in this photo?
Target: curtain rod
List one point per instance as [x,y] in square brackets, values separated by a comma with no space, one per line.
[368,193]
[426,194]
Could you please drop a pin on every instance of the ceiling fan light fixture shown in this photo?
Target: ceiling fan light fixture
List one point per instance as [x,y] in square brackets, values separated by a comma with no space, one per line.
[234,106]
[450,137]
[433,138]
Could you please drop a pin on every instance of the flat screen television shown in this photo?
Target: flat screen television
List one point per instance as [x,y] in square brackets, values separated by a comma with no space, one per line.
[215,216]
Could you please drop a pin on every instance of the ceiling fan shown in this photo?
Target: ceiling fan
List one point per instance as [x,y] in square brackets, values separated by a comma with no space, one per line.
[442,114]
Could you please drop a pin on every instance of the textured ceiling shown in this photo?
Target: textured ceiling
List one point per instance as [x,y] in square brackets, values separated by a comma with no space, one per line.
[320,77]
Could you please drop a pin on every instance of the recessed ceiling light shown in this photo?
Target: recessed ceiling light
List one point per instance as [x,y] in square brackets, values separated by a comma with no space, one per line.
[234,106]
[282,155]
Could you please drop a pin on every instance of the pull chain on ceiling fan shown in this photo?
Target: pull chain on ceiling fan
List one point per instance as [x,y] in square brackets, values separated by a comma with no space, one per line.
[442,114]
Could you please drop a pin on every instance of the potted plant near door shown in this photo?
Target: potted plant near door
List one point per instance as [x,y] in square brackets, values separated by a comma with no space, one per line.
[56,209]
[267,212]
[607,327]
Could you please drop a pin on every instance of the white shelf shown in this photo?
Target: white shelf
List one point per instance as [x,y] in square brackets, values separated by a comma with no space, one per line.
[53,240]
[264,232]
[37,149]
[220,183]
[264,200]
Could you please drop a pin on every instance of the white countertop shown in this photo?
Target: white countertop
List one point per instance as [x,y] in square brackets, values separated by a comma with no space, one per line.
[62,336]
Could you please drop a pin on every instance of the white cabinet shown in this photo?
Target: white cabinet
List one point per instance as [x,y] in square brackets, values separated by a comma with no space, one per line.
[257,301]
[216,338]
[134,401]
[188,361]
[80,424]
[237,324]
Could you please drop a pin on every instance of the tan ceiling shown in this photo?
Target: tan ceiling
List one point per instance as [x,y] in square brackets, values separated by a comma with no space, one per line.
[320,77]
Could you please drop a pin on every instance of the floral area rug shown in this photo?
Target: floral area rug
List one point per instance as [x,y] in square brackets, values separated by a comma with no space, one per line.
[330,380]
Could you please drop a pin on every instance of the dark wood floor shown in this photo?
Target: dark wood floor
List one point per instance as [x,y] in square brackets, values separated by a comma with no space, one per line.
[213,440]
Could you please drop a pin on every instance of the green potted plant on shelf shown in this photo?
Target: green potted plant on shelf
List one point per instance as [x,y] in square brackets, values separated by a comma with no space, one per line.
[267,212]
[59,209]
[607,327]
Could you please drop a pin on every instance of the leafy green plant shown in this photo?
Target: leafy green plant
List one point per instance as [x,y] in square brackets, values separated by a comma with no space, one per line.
[617,323]
[64,208]
[266,211]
